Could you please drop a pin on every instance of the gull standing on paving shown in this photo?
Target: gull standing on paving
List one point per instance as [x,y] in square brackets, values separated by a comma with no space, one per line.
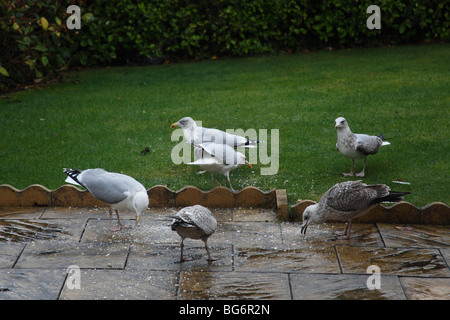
[346,201]
[355,145]
[119,191]
[195,222]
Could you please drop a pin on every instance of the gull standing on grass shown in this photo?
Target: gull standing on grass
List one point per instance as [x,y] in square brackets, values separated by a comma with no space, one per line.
[219,158]
[356,146]
[346,201]
[196,135]
[195,222]
[119,191]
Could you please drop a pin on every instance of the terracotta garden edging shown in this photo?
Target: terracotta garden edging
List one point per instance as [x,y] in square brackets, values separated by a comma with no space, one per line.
[220,197]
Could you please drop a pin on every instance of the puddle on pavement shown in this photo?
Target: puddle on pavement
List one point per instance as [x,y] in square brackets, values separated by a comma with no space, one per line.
[27,230]
[217,285]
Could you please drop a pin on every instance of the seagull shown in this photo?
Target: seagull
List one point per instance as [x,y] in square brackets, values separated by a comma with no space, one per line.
[219,158]
[356,146]
[196,135]
[346,201]
[195,222]
[119,191]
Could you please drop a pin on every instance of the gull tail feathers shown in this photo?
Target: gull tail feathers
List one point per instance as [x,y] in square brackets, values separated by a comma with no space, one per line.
[252,143]
[203,161]
[384,143]
[72,177]
[393,196]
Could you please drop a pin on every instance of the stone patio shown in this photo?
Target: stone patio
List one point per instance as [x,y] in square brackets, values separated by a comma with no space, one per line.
[258,257]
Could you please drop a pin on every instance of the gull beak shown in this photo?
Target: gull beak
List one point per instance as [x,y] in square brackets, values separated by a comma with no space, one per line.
[248,164]
[335,126]
[137,220]
[173,125]
[303,229]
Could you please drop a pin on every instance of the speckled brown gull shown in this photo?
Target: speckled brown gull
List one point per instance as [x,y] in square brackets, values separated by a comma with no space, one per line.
[195,222]
[355,145]
[346,201]
[119,191]
[196,135]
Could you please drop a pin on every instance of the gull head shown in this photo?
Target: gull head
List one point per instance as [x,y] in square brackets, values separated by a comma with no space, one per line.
[241,160]
[340,123]
[140,204]
[309,216]
[184,123]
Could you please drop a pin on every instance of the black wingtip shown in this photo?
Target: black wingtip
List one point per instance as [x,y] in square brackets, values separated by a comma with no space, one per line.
[73,173]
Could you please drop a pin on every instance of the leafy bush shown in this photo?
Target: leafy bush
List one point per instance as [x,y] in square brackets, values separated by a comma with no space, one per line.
[33,43]
[36,42]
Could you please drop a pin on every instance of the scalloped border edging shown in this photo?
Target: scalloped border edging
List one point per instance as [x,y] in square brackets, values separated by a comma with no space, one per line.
[402,212]
[220,197]
[159,196]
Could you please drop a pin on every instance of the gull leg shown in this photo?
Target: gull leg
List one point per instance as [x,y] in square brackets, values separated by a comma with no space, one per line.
[212,179]
[229,182]
[119,224]
[207,251]
[346,234]
[361,174]
[182,259]
[351,172]
[110,222]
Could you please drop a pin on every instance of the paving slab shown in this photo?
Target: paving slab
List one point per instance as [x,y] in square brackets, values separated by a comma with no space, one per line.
[21,213]
[398,261]
[247,233]
[423,236]
[426,288]
[121,285]
[35,284]
[343,287]
[153,232]
[286,259]
[9,253]
[318,235]
[60,255]
[234,285]
[167,257]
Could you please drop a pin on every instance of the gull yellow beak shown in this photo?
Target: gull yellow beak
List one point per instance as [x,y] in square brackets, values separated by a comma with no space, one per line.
[173,125]
[248,165]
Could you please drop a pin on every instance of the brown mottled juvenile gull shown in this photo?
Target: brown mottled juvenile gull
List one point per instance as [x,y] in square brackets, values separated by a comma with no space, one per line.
[219,158]
[119,191]
[195,222]
[355,145]
[196,135]
[346,201]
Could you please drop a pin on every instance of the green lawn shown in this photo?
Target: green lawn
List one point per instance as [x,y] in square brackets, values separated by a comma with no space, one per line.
[105,117]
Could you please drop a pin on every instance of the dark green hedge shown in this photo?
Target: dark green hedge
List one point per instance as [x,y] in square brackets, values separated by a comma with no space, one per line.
[36,43]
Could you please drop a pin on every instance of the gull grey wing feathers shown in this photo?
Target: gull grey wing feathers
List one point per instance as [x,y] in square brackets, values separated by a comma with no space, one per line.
[200,217]
[349,196]
[222,137]
[368,144]
[108,187]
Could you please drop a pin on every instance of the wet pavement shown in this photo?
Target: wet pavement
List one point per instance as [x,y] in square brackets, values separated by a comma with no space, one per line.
[70,253]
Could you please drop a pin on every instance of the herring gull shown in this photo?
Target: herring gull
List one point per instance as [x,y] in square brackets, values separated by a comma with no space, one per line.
[346,201]
[119,191]
[219,158]
[196,135]
[195,222]
[356,146]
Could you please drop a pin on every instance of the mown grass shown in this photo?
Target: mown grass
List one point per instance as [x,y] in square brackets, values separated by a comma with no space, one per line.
[106,117]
